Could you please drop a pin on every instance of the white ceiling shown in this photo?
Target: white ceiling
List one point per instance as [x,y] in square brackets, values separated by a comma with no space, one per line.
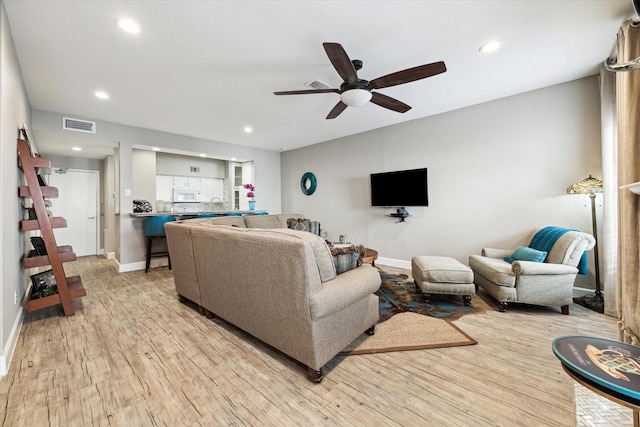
[207,69]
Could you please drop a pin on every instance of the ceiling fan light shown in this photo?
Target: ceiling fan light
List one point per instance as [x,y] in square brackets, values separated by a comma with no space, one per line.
[355,97]
[490,46]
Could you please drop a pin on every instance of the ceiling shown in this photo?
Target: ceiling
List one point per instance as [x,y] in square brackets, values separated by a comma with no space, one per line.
[207,69]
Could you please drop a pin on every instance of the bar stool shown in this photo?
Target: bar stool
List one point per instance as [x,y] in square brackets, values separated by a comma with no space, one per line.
[154,229]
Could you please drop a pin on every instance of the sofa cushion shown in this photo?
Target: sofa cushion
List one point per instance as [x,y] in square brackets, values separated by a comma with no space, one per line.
[346,258]
[524,253]
[261,221]
[233,221]
[283,218]
[324,260]
[570,247]
[495,270]
[320,249]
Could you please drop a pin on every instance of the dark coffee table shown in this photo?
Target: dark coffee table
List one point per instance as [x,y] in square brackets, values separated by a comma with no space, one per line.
[607,367]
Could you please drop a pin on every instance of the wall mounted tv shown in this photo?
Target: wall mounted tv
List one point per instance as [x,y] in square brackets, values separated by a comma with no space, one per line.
[400,188]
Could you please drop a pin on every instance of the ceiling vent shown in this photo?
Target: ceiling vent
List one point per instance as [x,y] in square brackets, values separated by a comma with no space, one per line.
[78,125]
[317,84]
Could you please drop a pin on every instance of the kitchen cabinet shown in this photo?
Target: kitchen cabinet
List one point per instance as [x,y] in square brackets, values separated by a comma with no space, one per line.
[210,187]
[180,182]
[164,186]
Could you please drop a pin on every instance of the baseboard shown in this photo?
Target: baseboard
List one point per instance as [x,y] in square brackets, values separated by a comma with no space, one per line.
[398,263]
[7,354]
[111,255]
[135,266]
[587,290]
[580,292]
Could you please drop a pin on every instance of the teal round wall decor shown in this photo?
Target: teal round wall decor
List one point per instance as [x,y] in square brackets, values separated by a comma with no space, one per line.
[308,183]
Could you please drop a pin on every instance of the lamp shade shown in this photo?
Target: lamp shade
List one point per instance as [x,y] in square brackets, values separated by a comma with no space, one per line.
[589,185]
[355,97]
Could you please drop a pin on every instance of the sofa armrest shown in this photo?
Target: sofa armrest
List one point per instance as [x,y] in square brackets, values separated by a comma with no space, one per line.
[496,253]
[529,268]
[345,289]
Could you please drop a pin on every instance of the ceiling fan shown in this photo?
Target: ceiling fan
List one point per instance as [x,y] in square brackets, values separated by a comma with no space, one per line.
[355,92]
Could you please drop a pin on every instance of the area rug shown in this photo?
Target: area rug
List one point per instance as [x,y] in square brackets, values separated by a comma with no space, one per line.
[398,294]
[407,322]
[409,331]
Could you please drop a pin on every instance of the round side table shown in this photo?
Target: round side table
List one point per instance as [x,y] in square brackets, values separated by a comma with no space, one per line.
[606,367]
[370,256]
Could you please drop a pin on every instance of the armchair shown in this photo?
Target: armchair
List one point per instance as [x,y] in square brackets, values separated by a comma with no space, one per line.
[542,283]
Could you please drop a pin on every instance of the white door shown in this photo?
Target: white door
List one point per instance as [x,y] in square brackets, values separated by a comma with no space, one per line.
[77,202]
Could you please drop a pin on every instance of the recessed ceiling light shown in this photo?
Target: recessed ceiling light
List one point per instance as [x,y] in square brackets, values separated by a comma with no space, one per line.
[248,129]
[155,148]
[203,155]
[76,148]
[101,94]
[490,46]
[129,26]
[233,159]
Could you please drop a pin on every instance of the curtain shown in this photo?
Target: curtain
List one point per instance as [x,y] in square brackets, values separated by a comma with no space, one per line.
[608,244]
[628,107]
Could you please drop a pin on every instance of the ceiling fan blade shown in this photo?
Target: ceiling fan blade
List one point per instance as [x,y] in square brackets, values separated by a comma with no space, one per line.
[408,75]
[335,112]
[306,91]
[389,103]
[341,62]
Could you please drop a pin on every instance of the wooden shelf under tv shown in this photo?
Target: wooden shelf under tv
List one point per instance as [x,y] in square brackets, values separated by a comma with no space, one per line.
[400,213]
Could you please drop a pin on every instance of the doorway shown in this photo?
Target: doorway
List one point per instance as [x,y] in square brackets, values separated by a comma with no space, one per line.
[77,202]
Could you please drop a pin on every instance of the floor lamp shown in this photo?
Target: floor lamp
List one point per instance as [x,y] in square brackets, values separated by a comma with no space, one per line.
[591,186]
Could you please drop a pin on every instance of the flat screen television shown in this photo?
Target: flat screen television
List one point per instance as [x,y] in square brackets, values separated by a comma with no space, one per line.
[400,188]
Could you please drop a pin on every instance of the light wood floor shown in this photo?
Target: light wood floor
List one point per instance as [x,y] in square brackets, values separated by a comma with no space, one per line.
[133,355]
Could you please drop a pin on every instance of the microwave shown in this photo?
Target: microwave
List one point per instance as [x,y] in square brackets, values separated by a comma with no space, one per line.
[187,195]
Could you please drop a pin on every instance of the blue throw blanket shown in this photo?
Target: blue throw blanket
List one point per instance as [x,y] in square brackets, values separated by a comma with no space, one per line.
[546,238]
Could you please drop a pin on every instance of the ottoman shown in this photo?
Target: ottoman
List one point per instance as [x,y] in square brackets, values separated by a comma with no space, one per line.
[444,276]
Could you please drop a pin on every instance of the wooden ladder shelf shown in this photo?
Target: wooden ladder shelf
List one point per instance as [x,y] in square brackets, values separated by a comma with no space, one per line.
[69,288]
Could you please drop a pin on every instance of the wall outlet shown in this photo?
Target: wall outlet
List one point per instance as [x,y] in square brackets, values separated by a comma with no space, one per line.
[15,297]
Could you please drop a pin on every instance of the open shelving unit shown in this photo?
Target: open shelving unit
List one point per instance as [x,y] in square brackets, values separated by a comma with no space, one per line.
[69,288]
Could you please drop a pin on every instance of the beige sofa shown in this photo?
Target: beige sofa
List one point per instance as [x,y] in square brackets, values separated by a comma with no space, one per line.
[275,283]
[180,248]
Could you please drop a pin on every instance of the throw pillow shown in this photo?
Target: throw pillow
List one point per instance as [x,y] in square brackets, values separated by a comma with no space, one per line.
[346,258]
[523,253]
[298,224]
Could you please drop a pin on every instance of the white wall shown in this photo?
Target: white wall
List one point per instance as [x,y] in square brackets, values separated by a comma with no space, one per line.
[66,162]
[14,111]
[144,176]
[496,171]
[108,208]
